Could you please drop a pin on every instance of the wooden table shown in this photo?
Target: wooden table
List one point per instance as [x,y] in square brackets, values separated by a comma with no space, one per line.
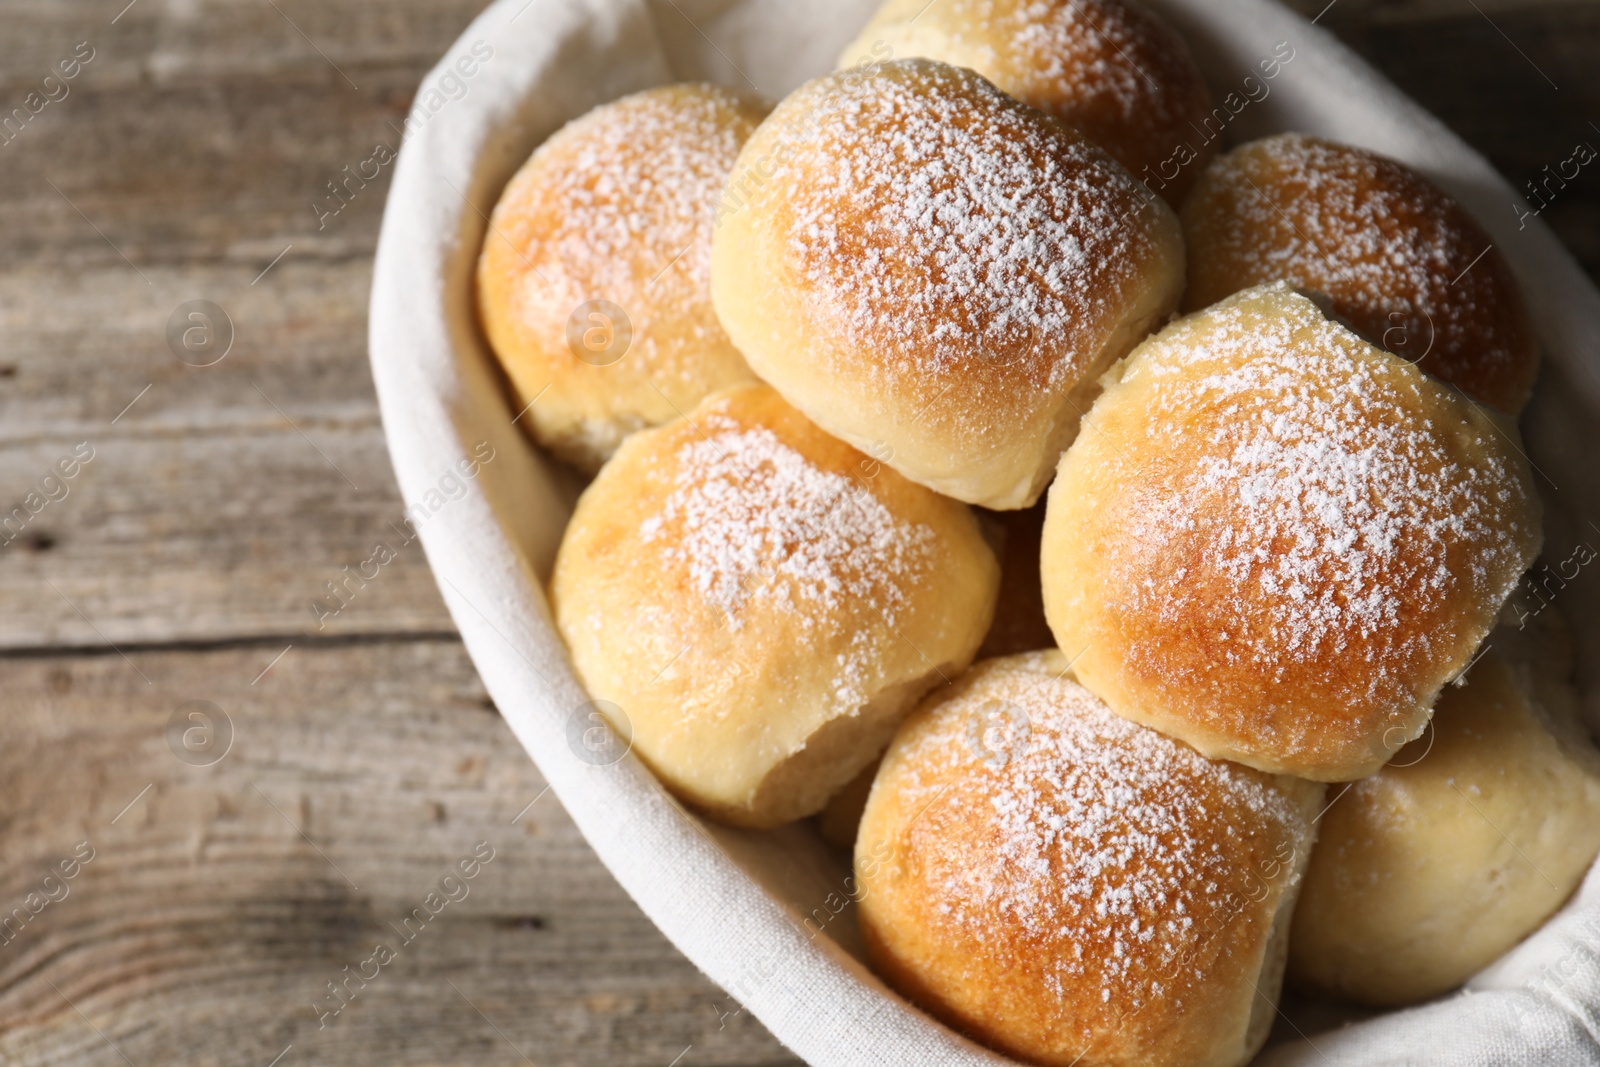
[228,871]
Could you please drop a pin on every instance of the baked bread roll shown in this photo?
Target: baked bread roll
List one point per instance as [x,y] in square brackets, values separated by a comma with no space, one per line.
[594,280]
[1400,261]
[1276,542]
[764,603]
[1110,69]
[937,274]
[1429,870]
[1073,888]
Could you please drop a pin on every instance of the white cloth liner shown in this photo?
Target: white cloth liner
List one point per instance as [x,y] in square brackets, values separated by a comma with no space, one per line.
[756,911]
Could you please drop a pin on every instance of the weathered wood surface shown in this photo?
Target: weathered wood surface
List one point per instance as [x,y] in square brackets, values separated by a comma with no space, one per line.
[186,157]
[221,899]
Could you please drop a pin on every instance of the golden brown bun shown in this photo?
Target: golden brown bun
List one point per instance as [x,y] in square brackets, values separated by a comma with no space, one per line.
[764,603]
[1109,68]
[1431,869]
[616,206]
[1277,542]
[937,274]
[1396,257]
[1073,888]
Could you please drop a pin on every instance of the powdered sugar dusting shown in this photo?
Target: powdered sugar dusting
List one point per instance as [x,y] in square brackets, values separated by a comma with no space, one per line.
[752,517]
[1111,70]
[1092,43]
[1124,850]
[1399,260]
[941,222]
[1327,507]
[622,208]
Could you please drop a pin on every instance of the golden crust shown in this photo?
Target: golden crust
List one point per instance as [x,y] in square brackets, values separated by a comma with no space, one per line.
[1277,542]
[1437,865]
[1073,888]
[616,206]
[925,266]
[764,603]
[1398,259]
[1110,69]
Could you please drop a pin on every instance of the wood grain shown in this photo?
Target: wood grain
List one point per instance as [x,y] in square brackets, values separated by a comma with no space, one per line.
[221,899]
[214,535]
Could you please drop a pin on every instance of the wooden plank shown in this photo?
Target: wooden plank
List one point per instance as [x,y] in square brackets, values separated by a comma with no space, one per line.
[219,503]
[217,39]
[187,157]
[200,535]
[199,133]
[228,170]
[82,343]
[221,899]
